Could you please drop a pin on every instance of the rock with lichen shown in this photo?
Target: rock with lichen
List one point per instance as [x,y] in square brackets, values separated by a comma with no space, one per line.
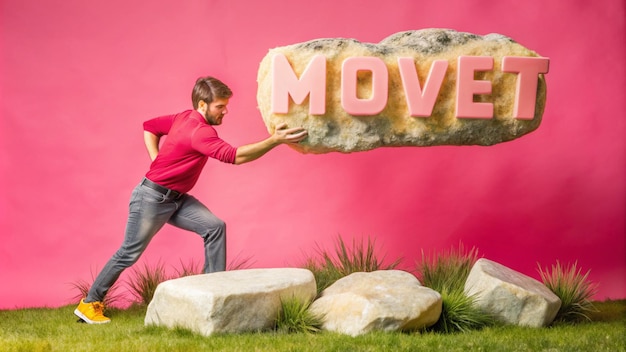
[509,296]
[338,131]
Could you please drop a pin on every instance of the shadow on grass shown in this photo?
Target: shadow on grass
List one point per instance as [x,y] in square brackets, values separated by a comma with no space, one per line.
[608,311]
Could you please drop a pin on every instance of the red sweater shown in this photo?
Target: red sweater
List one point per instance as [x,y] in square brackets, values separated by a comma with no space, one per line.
[190,142]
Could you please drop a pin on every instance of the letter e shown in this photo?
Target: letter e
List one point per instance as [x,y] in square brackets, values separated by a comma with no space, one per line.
[467,87]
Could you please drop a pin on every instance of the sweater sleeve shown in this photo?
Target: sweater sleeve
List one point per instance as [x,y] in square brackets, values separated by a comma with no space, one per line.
[206,141]
[159,126]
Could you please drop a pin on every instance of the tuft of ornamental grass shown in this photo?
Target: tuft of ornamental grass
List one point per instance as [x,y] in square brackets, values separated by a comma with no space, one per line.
[144,280]
[188,269]
[295,317]
[325,274]
[112,299]
[573,288]
[331,266]
[195,268]
[446,273]
[460,314]
[447,270]
[239,263]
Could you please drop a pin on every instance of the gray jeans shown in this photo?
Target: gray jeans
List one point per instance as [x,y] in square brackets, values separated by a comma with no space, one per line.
[149,210]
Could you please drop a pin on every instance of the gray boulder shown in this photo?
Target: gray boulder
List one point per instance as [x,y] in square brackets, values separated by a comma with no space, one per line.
[230,301]
[511,297]
[389,300]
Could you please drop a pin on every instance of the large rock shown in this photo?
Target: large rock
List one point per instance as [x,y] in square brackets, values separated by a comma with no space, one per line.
[230,301]
[337,130]
[388,300]
[510,296]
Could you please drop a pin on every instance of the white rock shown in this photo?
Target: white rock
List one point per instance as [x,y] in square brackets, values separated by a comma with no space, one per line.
[230,301]
[510,296]
[388,300]
[336,130]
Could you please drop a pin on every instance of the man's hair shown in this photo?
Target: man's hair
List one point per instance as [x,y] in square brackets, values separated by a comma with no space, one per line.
[207,89]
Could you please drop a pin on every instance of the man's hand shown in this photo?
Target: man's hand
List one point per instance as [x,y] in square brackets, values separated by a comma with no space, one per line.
[282,134]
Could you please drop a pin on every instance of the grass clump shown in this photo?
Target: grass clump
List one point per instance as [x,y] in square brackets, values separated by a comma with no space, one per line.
[188,269]
[195,268]
[331,266]
[112,299]
[295,317]
[460,314]
[573,288]
[239,263]
[448,270]
[446,273]
[144,281]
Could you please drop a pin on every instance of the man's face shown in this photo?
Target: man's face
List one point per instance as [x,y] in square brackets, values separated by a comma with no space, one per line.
[215,111]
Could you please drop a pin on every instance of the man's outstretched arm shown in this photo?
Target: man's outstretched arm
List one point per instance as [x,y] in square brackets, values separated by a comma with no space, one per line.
[281,135]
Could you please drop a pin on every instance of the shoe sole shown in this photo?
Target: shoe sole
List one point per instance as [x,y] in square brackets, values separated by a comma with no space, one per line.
[87,320]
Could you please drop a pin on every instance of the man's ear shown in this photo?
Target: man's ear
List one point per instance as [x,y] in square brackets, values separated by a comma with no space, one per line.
[202,107]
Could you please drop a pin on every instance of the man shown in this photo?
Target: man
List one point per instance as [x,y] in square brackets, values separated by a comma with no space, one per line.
[162,197]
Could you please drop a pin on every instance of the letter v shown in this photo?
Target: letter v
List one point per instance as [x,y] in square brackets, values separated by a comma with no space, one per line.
[421,101]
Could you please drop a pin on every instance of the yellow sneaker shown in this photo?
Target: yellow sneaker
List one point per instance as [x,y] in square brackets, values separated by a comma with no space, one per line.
[91,313]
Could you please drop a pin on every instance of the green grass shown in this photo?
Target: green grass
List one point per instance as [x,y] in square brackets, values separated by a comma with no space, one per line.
[56,330]
[461,326]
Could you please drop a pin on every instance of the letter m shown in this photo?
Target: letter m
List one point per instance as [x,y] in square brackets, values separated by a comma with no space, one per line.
[285,83]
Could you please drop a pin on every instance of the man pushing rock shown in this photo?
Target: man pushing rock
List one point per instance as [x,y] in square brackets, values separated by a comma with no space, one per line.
[161,197]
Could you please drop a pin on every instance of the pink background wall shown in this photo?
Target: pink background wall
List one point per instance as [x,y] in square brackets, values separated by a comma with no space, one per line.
[79,78]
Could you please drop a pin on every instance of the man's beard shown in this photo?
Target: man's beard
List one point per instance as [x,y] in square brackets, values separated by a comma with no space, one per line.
[212,119]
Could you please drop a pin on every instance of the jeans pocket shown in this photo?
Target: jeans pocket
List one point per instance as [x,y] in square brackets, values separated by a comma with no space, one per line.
[152,196]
